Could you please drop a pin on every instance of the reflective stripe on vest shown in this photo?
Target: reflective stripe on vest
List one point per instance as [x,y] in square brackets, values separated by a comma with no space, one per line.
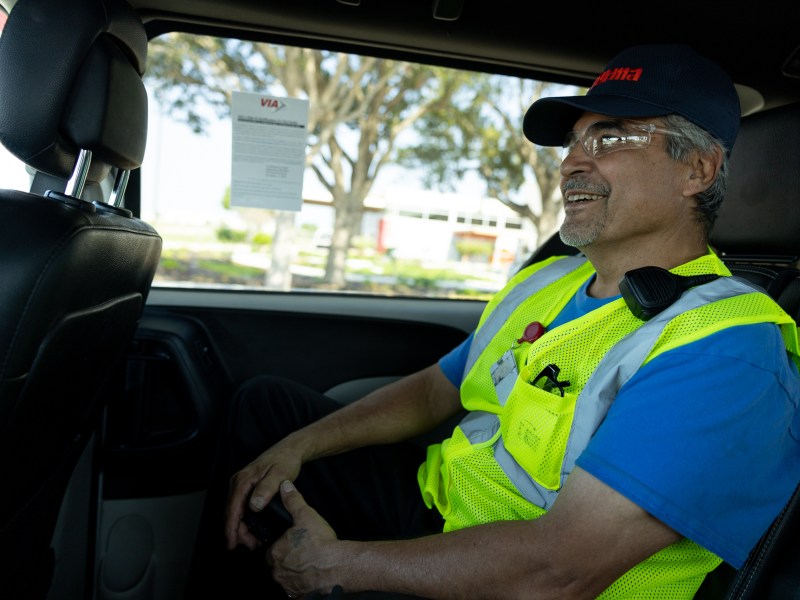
[544,277]
[594,400]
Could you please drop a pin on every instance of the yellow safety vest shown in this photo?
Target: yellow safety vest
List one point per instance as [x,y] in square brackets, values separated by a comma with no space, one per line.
[510,455]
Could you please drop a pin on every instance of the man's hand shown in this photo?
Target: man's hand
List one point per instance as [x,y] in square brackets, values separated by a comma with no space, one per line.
[398,411]
[303,559]
[255,485]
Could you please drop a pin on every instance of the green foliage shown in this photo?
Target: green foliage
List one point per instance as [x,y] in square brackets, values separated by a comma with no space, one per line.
[192,76]
[205,267]
[262,239]
[228,270]
[407,277]
[226,234]
[364,242]
[170,263]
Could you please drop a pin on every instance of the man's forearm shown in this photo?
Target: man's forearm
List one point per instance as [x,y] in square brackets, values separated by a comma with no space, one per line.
[395,412]
[497,560]
[589,538]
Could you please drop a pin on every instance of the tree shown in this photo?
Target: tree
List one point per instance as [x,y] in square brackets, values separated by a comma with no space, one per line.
[358,106]
[358,109]
[482,132]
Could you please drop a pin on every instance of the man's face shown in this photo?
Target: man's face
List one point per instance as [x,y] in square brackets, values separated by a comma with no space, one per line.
[622,190]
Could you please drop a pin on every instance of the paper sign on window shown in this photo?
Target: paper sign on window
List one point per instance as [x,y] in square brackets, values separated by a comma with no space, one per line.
[269,142]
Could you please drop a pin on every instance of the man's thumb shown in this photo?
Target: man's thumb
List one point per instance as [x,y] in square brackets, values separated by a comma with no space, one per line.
[292,499]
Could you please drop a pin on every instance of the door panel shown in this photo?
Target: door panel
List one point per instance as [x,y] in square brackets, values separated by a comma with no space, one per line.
[344,337]
[191,351]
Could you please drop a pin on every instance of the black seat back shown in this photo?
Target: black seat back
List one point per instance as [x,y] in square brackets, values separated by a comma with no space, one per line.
[758,235]
[772,571]
[757,232]
[75,267]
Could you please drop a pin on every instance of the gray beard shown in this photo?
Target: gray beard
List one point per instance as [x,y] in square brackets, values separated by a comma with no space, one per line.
[578,237]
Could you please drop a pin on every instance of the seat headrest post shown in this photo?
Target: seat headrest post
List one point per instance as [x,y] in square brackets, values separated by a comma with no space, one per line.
[76,183]
[120,184]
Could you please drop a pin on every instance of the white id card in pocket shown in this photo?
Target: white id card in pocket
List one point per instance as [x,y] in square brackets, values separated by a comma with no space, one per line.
[504,374]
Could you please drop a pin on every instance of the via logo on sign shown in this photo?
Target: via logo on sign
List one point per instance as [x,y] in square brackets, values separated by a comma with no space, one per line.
[272,104]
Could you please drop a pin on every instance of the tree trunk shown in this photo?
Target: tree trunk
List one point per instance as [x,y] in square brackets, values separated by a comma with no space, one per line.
[279,274]
[346,224]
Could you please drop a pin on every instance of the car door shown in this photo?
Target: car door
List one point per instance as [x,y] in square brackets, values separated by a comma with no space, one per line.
[193,348]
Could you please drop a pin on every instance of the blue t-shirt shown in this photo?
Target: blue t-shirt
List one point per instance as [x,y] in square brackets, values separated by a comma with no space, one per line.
[706,437]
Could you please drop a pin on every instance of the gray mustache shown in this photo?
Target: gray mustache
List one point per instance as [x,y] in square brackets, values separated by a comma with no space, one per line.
[585,186]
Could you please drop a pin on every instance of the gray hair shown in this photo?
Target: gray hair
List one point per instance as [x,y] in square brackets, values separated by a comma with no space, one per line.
[679,147]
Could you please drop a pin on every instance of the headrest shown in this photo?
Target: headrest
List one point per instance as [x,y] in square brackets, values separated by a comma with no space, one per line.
[761,211]
[71,79]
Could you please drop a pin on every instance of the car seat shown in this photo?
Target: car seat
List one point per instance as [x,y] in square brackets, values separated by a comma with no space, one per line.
[758,236]
[757,232]
[75,265]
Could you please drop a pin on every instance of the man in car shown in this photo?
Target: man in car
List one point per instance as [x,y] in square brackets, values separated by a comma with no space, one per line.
[614,445]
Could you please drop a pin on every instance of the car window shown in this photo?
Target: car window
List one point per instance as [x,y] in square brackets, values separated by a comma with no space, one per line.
[415,180]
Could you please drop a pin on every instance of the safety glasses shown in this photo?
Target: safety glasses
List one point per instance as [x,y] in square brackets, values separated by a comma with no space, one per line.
[604,137]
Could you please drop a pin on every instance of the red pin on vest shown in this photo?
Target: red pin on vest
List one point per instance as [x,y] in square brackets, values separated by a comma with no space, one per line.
[533,331]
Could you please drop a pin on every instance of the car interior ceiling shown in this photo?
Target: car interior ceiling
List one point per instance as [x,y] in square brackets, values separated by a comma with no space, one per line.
[528,44]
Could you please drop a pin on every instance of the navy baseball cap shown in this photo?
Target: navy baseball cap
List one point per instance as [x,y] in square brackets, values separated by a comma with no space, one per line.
[646,81]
